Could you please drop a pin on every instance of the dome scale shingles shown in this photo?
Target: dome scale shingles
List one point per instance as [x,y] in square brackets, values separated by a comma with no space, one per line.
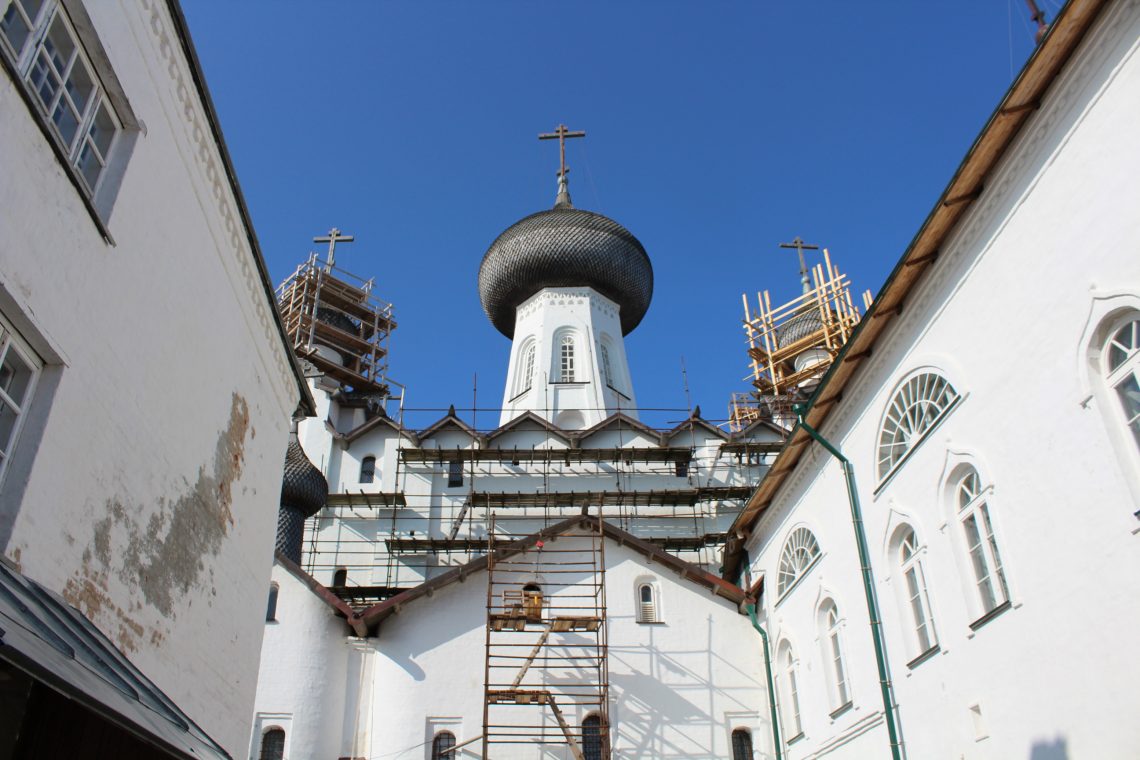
[565,247]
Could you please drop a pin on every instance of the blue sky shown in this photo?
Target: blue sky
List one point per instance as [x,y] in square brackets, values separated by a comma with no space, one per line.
[715,130]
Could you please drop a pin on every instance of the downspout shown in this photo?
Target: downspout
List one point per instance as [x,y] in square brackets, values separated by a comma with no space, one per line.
[868,583]
[750,606]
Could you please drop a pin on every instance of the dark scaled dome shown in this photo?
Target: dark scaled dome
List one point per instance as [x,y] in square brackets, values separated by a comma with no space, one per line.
[807,322]
[303,487]
[565,247]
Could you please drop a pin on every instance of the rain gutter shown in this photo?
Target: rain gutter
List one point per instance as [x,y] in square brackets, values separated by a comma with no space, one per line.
[868,584]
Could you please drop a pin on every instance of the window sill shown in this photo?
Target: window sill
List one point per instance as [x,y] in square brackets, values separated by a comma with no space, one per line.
[990,615]
[569,382]
[651,622]
[615,390]
[520,394]
[841,709]
[924,657]
[794,739]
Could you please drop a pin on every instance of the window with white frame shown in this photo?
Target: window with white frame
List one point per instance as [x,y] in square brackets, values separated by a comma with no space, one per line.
[647,611]
[1122,372]
[19,369]
[607,369]
[981,545]
[833,656]
[917,601]
[42,44]
[526,369]
[566,359]
[912,413]
[801,551]
[789,694]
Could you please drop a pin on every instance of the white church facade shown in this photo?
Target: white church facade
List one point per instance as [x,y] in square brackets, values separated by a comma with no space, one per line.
[937,562]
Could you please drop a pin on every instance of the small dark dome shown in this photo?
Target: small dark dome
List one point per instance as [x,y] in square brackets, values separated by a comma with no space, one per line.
[337,319]
[303,487]
[565,247]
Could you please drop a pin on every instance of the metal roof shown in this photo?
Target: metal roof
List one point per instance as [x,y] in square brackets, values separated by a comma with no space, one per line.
[41,634]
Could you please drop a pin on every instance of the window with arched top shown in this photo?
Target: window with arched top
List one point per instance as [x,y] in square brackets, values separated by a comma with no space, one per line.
[911,414]
[607,368]
[834,666]
[915,598]
[647,603]
[566,359]
[592,737]
[788,690]
[801,551]
[272,745]
[981,544]
[340,576]
[271,611]
[1122,371]
[741,744]
[367,469]
[442,746]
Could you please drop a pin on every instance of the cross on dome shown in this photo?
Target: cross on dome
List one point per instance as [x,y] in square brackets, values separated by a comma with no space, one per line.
[562,133]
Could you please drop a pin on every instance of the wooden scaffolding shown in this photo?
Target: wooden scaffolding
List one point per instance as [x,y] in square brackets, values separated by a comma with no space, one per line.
[325,307]
[791,346]
[546,667]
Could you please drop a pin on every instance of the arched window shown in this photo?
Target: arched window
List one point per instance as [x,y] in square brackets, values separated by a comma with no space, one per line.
[271,612]
[368,469]
[916,407]
[526,369]
[833,656]
[1122,372]
[592,737]
[646,603]
[566,359]
[789,694]
[981,546]
[340,576]
[442,746]
[272,745]
[800,552]
[741,744]
[914,591]
[607,369]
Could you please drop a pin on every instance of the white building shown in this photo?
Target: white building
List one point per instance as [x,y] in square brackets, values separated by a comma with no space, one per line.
[988,405]
[145,392]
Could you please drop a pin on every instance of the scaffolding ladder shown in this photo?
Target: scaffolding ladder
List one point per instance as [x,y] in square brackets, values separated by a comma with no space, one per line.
[546,671]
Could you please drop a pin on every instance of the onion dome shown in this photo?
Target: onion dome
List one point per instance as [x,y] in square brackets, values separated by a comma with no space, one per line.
[565,247]
[304,491]
[800,326]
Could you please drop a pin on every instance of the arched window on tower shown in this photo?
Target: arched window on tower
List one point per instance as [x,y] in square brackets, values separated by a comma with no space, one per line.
[272,745]
[340,576]
[647,603]
[741,744]
[607,368]
[526,372]
[442,746]
[368,469]
[566,359]
[1122,372]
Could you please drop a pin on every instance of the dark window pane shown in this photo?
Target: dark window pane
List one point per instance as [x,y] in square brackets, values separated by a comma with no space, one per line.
[273,745]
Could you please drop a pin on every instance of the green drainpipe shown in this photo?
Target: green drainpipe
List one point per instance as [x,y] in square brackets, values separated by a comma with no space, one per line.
[771,686]
[868,584]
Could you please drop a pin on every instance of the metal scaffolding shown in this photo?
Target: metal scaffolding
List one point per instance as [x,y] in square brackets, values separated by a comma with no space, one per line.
[547,665]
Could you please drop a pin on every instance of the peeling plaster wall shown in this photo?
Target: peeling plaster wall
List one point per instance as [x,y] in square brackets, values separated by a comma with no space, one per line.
[146,489]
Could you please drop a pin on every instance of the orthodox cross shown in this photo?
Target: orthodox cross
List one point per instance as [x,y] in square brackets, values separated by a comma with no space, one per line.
[332,239]
[561,133]
[800,247]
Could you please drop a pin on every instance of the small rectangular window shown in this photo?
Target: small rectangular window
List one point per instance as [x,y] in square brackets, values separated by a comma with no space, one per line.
[368,470]
[454,473]
[682,468]
[19,368]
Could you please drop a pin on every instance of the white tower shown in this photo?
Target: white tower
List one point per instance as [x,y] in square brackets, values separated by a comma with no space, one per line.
[566,285]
